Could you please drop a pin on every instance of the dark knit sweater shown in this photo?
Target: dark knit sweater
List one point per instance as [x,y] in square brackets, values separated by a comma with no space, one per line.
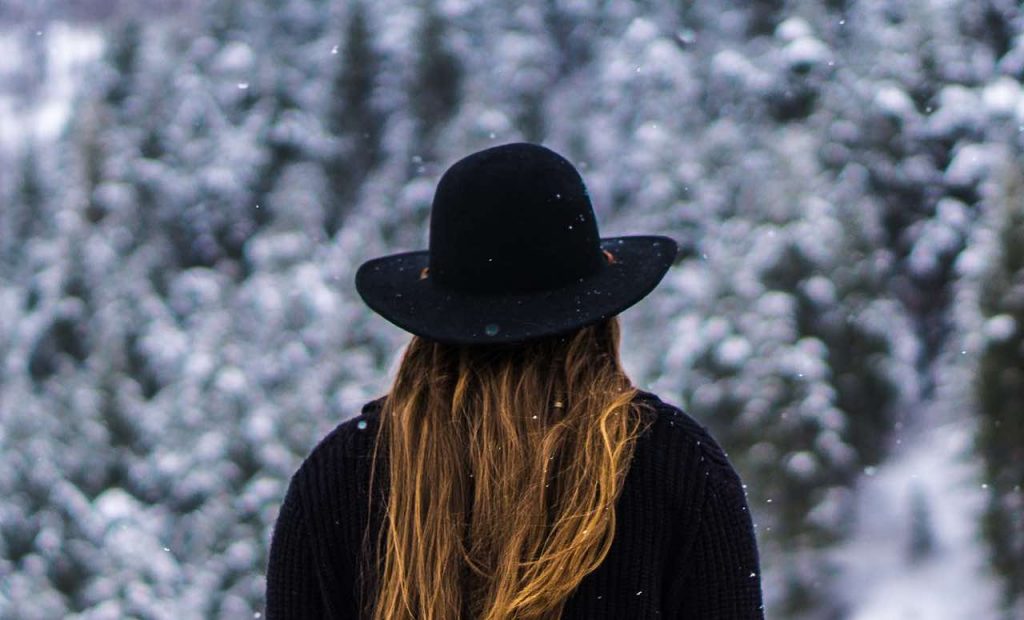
[684,544]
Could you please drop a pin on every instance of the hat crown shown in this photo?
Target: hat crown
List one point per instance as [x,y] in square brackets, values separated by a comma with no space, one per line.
[512,218]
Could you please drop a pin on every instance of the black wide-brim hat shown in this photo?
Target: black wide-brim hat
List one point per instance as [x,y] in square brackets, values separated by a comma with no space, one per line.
[514,255]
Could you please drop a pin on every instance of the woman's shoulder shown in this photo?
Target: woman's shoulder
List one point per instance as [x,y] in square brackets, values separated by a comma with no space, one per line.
[359,430]
[684,434]
[351,438]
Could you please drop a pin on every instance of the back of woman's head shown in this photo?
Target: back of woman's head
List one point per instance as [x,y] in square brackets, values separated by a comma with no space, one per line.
[504,463]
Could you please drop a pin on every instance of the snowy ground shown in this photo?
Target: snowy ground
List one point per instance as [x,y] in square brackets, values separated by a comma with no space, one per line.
[951,584]
[68,48]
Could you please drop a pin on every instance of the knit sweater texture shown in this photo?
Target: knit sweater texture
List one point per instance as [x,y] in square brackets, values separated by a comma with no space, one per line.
[684,544]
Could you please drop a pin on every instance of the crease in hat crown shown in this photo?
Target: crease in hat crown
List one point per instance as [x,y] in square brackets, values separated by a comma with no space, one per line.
[512,218]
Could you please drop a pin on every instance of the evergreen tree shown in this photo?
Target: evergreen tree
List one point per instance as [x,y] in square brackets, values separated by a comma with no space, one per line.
[763,16]
[92,158]
[123,59]
[573,33]
[995,22]
[352,119]
[35,61]
[437,81]
[999,390]
[797,364]
[921,542]
[25,216]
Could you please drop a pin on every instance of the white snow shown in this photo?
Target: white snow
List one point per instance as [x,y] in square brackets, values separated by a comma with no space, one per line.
[793,28]
[731,65]
[235,56]
[231,380]
[116,505]
[802,463]
[894,101]
[68,48]
[641,31]
[970,164]
[959,107]
[952,212]
[938,238]
[1000,328]
[820,290]
[1002,96]
[733,351]
[954,583]
[806,51]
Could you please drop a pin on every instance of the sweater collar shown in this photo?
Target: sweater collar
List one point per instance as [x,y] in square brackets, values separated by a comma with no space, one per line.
[375,404]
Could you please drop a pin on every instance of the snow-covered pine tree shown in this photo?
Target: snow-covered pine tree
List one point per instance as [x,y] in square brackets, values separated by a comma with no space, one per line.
[354,119]
[921,540]
[25,216]
[999,391]
[436,90]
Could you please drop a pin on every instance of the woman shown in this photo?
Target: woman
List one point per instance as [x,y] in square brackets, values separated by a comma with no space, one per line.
[513,470]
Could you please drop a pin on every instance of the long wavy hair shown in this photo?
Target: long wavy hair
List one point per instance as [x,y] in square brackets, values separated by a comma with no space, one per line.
[504,463]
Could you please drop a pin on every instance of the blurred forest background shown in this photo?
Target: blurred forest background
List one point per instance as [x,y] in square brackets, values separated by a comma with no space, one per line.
[187,187]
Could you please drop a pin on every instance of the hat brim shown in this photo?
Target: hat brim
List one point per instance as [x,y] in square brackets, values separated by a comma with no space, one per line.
[391,286]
